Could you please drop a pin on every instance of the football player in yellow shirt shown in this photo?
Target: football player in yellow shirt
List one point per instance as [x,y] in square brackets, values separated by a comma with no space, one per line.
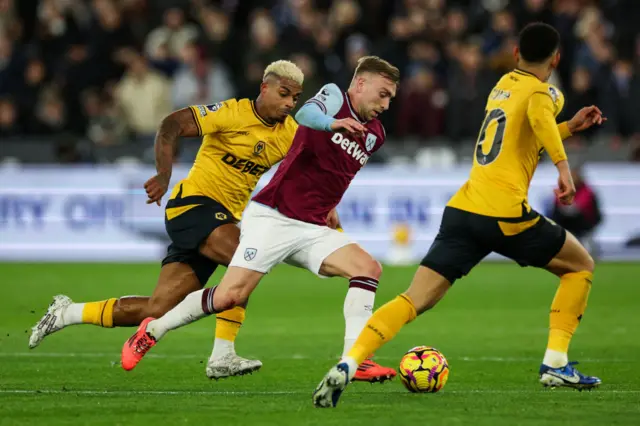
[490,213]
[242,139]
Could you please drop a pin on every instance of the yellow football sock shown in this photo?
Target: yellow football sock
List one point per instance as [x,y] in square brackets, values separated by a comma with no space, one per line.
[567,309]
[383,325]
[228,323]
[99,313]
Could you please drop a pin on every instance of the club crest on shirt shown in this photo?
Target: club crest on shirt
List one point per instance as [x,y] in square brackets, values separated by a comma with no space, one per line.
[221,216]
[250,254]
[370,142]
[259,147]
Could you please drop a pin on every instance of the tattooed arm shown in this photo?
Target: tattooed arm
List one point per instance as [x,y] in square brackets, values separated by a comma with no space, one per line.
[177,124]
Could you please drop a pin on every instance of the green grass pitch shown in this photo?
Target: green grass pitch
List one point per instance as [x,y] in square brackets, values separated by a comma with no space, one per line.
[492,327]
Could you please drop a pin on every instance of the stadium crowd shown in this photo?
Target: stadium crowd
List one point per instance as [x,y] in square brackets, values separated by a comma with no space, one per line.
[107,71]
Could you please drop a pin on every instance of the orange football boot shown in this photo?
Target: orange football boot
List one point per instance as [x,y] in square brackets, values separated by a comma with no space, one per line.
[137,346]
[372,372]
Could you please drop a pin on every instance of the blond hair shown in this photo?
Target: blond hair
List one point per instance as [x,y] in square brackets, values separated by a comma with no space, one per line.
[377,65]
[284,69]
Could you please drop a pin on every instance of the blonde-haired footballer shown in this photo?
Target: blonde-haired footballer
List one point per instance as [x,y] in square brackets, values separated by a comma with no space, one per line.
[490,213]
[242,139]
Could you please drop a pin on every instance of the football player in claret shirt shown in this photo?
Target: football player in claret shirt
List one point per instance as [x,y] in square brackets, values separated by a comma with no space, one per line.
[287,220]
[490,213]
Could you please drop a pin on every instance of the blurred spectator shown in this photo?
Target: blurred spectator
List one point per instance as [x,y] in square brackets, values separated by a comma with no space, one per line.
[9,23]
[421,105]
[421,52]
[174,32]
[343,19]
[261,52]
[105,127]
[469,85]
[594,51]
[143,96]
[28,90]
[11,64]
[312,83]
[9,119]
[533,11]
[581,93]
[106,37]
[220,39]
[620,99]
[356,47]
[503,27]
[200,81]
[50,113]
[57,30]
[583,216]
[457,24]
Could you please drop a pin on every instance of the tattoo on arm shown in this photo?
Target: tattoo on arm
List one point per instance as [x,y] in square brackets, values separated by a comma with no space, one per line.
[176,124]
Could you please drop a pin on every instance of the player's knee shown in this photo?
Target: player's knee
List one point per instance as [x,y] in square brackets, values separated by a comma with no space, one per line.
[370,268]
[583,264]
[229,299]
[588,264]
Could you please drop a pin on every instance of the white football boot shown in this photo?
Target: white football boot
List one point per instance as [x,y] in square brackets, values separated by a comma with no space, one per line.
[51,321]
[231,365]
[328,392]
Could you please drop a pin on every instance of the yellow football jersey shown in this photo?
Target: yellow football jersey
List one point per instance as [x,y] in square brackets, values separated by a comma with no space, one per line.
[520,123]
[237,148]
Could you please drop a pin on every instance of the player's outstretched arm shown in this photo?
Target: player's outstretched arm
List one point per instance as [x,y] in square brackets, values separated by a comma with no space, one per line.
[312,116]
[585,118]
[178,123]
[318,113]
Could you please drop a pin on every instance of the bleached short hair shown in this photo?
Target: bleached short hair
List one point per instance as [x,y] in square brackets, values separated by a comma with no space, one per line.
[284,69]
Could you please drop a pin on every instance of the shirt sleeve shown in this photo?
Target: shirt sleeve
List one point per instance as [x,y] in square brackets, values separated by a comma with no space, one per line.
[563,128]
[329,99]
[311,115]
[214,118]
[541,114]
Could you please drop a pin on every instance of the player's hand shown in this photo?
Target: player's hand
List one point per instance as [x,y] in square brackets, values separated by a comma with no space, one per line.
[566,189]
[348,125]
[156,187]
[333,221]
[585,118]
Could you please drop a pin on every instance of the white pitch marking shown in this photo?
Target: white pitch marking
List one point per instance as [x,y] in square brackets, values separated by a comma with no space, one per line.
[249,393]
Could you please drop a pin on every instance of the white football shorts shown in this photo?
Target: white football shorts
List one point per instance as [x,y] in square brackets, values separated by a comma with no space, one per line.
[268,237]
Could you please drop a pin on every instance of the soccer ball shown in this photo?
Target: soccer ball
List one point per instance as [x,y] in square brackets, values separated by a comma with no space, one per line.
[424,369]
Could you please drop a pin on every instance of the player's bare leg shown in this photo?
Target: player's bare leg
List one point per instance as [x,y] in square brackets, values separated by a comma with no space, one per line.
[176,280]
[426,290]
[574,266]
[234,290]
[363,272]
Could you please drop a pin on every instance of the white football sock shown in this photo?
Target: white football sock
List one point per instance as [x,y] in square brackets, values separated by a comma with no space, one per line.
[222,347]
[353,366]
[358,308]
[73,314]
[186,312]
[555,359]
